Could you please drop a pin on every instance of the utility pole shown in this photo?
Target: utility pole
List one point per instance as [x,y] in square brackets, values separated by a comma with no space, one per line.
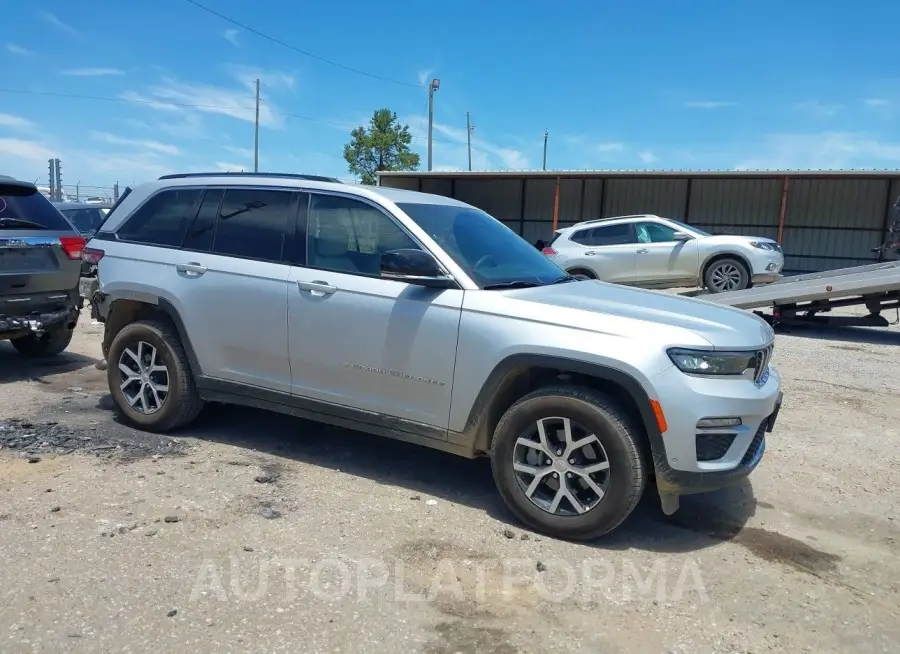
[52,178]
[256,134]
[469,129]
[434,86]
[59,186]
[78,192]
[116,192]
[546,134]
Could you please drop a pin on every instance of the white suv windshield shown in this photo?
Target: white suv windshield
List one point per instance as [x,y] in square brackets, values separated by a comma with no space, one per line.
[488,251]
[688,228]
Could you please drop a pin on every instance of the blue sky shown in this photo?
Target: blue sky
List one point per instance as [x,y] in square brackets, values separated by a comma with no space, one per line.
[619,85]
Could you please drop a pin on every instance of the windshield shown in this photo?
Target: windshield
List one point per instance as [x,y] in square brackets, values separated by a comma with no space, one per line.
[689,228]
[486,249]
[23,207]
[86,220]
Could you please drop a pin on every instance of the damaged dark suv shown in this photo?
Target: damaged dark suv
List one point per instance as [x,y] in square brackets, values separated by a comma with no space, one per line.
[40,265]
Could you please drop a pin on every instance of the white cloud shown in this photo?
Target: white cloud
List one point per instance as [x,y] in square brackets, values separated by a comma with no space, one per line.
[876,102]
[707,104]
[8,120]
[425,76]
[153,103]
[823,151]
[647,156]
[227,167]
[154,146]
[485,154]
[272,79]
[610,147]
[246,153]
[30,150]
[19,50]
[93,72]
[231,36]
[818,109]
[56,22]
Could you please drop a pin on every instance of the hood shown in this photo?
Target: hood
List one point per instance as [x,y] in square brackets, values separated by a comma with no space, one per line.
[732,238]
[610,307]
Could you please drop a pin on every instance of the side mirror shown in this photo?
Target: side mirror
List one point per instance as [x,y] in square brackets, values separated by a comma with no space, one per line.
[414,267]
[681,236]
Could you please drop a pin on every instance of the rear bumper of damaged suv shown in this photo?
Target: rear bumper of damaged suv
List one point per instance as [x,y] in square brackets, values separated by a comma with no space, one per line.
[14,326]
[692,457]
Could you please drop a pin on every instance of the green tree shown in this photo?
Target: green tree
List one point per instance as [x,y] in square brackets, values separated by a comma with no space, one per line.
[383,145]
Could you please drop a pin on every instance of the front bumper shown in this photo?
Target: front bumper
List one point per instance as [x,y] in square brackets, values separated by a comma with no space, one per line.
[680,468]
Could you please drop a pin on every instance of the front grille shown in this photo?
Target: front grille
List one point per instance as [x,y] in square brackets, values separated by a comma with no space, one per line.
[761,361]
[712,447]
[755,445]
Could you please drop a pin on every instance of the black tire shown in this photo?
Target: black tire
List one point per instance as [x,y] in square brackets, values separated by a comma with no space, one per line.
[182,403]
[618,437]
[48,344]
[733,267]
[582,273]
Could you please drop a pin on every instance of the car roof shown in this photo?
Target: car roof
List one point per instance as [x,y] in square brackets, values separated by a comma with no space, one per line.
[395,195]
[82,205]
[607,221]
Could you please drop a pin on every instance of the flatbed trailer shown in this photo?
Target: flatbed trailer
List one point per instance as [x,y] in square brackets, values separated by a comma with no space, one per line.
[800,299]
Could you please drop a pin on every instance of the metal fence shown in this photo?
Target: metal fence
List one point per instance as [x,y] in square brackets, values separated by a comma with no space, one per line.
[823,220]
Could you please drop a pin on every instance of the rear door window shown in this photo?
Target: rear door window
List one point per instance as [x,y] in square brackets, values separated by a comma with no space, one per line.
[621,234]
[253,223]
[163,219]
[23,207]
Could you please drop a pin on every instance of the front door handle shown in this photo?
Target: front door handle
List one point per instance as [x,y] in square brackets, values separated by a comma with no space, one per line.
[643,251]
[589,253]
[317,288]
[191,269]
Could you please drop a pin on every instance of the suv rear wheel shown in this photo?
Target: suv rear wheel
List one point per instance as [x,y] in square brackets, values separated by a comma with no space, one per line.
[567,462]
[150,378]
[48,344]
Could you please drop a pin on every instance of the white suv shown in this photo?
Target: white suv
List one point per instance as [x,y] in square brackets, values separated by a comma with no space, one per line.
[422,318]
[654,252]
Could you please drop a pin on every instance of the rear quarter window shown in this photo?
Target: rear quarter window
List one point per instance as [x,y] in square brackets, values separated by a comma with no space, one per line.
[24,203]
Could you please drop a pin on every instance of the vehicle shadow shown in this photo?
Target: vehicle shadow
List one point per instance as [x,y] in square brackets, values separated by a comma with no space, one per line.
[702,521]
[14,367]
[868,335]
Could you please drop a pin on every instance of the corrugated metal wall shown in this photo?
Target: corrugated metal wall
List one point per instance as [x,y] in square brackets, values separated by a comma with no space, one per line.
[828,222]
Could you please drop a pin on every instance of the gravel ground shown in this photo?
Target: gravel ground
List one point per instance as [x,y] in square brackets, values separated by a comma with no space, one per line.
[257,532]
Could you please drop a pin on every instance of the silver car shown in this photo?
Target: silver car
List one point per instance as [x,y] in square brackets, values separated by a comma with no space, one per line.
[422,318]
[653,252]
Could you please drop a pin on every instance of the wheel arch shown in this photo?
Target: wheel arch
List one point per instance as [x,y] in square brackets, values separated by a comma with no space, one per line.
[581,270]
[519,374]
[128,308]
[718,256]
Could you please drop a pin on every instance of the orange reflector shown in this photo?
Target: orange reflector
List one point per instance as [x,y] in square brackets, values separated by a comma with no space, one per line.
[660,416]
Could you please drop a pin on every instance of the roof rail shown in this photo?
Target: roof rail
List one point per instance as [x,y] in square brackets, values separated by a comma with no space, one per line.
[603,220]
[308,178]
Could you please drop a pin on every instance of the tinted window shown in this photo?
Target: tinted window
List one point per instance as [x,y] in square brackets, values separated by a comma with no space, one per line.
[350,236]
[22,207]
[612,235]
[86,221]
[654,233]
[582,236]
[252,223]
[200,235]
[162,220]
[488,251]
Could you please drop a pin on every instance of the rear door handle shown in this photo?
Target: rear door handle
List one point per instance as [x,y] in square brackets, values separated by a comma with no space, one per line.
[192,269]
[643,251]
[317,288]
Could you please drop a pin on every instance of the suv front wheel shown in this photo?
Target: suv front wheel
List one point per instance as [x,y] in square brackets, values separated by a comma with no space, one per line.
[150,378]
[568,463]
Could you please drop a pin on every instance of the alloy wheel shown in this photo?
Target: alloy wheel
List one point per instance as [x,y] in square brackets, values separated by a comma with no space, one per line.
[144,377]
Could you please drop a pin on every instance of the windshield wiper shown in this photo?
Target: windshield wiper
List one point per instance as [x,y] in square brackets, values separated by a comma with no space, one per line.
[514,284]
[20,222]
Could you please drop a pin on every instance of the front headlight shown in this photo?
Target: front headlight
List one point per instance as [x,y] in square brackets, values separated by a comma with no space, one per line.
[762,245]
[698,362]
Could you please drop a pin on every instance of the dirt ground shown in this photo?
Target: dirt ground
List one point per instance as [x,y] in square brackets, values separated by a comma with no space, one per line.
[257,532]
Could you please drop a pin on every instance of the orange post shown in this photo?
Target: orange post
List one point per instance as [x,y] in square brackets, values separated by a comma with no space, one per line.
[784,197]
[556,205]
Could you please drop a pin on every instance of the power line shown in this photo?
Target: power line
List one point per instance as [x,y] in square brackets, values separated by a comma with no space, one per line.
[77,96]
[303,52]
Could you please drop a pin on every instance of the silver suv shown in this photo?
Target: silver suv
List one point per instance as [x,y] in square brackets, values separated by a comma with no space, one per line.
[422,318]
